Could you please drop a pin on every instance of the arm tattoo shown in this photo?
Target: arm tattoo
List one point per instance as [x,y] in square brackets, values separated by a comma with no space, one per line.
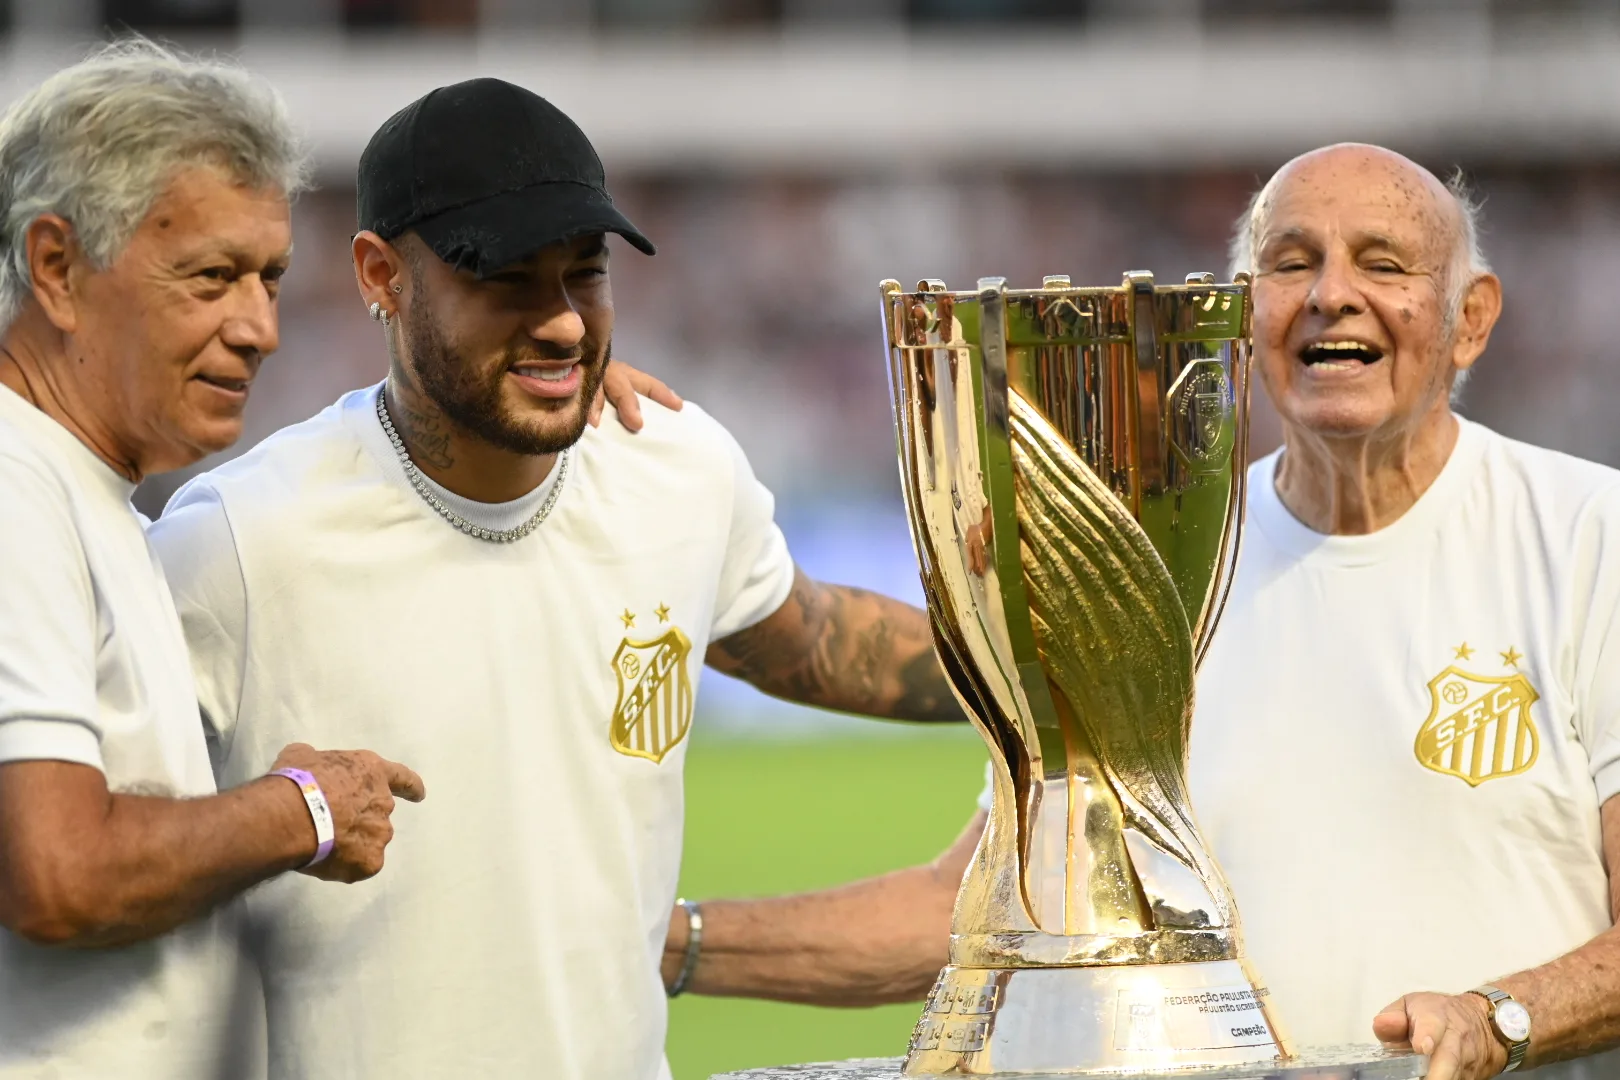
[927,693]
[843,648]
[781,654]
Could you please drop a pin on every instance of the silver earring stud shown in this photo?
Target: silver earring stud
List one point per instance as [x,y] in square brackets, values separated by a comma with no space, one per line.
[398,289]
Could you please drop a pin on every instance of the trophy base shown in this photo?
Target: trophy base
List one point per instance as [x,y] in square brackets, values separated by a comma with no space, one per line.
[1329,1063]
[1106,1018]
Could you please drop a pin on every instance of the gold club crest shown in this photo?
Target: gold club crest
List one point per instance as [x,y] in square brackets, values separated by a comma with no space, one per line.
[1479,726]
[654,711]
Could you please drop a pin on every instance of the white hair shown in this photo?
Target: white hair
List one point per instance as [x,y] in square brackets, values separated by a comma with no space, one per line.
[98,142]
[1468,260]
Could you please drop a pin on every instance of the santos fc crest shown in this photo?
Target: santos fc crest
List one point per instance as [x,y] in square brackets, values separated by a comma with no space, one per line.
[654,711]
[1479,726]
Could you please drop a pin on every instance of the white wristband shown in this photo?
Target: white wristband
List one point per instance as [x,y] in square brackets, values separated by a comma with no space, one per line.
[319,812]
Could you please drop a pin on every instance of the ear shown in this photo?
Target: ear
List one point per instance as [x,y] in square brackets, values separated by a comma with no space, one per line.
[1481,307]
[378,268]
[55,263]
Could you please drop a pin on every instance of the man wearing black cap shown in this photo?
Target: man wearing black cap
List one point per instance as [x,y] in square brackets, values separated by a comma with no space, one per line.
[452,568]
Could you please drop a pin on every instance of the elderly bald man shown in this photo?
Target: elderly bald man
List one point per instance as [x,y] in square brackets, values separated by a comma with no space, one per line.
[1407,743]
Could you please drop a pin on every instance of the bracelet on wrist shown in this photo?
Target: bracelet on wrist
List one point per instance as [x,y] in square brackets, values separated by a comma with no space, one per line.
[694,946]
[320,813]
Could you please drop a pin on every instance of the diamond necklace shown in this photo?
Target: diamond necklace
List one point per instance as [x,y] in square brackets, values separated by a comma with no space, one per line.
[419,482]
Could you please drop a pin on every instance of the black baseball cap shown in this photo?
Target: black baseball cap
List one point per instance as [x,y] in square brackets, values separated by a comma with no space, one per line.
[486,173]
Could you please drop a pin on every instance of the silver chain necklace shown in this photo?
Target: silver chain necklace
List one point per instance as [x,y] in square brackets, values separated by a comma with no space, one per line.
[419,482]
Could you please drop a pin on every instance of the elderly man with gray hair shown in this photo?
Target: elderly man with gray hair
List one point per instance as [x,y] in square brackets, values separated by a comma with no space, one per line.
[1406,752]
[144,230]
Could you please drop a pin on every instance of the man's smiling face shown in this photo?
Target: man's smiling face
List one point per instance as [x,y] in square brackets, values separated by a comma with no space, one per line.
[515,358]
[176,328]
[1356,249]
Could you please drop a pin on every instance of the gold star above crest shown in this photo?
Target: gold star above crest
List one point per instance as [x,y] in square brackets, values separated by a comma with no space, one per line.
[1511,658]
[662,611]
[628,619]
[1464,651]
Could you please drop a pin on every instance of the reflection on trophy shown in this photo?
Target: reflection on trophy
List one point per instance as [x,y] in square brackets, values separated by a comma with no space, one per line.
[1073,466]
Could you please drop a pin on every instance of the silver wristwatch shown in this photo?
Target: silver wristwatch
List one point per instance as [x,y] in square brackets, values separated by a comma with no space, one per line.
[1511,1023]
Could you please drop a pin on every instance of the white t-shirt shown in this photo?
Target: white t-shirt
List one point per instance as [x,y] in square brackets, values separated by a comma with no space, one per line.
[543,688]
[1402,739]
[93,670]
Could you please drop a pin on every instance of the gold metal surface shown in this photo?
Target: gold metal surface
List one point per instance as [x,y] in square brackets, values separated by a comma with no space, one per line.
[654,710]
[1480,727]
[1073,467]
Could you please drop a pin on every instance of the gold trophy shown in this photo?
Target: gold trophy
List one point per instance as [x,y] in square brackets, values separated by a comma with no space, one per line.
[1073,463]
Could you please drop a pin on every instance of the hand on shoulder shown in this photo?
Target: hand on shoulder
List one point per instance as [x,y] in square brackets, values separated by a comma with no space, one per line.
[621,384]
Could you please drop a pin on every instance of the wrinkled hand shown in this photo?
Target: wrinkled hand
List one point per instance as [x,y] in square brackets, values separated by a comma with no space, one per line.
[1453,1029]
[620,385]
[360,788]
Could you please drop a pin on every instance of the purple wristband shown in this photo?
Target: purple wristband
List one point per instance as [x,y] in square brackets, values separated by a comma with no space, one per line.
[319,812]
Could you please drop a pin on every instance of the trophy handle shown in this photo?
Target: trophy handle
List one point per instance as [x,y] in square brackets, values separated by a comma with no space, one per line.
[915,386]
[1237,504]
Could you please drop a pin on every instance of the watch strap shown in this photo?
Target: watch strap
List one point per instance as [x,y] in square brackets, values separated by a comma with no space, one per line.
[1517,1049]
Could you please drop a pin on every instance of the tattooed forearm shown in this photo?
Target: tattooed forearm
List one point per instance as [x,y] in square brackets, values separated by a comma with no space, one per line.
[926,693]
[843,648]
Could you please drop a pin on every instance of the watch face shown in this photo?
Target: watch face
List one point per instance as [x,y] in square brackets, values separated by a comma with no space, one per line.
[1513,1021]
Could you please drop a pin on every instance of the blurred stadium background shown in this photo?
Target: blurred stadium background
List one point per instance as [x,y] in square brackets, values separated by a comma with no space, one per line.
[788,154]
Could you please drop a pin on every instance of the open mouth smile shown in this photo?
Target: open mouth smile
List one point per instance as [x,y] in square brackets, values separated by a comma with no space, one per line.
[1340,353]
[550,379]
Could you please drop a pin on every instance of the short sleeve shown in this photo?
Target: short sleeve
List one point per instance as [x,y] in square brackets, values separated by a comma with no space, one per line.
[758,571]
[1594,593]
[194,542]
[49,634]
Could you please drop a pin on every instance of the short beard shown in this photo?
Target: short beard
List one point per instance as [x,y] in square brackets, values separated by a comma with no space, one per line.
[471,397]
